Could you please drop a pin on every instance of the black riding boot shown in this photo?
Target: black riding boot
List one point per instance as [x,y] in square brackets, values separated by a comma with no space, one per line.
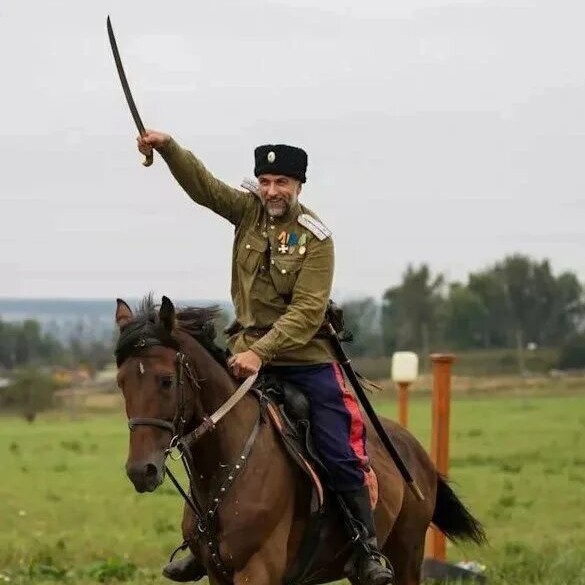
[186,569]
[369,567]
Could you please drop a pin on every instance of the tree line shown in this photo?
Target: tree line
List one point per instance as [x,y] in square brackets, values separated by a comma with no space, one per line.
[513,303]
[25,344]
[517,302]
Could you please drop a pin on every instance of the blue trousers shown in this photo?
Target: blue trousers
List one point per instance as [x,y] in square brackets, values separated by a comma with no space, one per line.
[337,426]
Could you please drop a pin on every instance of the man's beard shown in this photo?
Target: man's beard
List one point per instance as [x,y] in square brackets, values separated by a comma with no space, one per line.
[279,206]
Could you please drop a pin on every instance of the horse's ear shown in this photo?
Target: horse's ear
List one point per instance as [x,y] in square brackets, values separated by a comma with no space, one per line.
[167,314]
[124,313]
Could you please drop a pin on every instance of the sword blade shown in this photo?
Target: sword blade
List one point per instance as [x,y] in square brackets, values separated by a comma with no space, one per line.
[126,87]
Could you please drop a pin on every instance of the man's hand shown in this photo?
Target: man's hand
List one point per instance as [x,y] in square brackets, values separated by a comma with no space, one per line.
[151,139]
[245,364]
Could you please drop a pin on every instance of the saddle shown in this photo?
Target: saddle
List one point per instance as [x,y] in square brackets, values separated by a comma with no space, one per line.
[288,410]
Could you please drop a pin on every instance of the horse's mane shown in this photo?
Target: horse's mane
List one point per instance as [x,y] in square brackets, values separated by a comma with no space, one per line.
[145,326]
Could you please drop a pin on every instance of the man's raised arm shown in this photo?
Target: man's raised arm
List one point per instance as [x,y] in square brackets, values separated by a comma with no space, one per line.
[195,179]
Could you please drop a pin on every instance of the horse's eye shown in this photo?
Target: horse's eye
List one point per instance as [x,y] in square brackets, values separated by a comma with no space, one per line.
[166,382]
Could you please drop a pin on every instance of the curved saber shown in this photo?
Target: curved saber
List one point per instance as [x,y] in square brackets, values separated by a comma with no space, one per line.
[133,110]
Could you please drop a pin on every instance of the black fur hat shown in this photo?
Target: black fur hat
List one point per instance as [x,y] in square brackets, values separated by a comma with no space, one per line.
[281,159]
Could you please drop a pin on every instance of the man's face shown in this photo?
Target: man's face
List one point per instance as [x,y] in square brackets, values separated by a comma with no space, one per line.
[278,193]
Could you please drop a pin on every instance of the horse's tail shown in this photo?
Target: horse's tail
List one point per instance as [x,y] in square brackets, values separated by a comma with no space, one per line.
[452,518]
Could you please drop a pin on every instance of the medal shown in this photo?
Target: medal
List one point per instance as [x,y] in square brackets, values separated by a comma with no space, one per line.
[302,244]
[283,238]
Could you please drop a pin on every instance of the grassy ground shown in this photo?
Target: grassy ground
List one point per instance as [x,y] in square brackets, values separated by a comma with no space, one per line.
[69,514]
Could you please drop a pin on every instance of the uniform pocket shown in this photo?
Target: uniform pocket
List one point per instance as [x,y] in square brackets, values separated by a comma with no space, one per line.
[284,271]
[251,251]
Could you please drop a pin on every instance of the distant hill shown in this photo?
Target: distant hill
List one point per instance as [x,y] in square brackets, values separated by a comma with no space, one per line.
[80,318]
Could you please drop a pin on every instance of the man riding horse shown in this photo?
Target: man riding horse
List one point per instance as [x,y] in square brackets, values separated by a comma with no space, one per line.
[282,271]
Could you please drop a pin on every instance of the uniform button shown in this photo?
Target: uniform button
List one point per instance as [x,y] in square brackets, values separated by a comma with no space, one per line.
[262,268]
[271,227]
[248,246]
[283,271]
[272,262]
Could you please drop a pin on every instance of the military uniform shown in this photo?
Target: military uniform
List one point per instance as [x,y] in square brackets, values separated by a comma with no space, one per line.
[273,258]
[282,272]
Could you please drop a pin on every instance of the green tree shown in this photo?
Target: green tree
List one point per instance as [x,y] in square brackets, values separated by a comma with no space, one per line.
[465,318]
[572,354]
[411,312]
[30,393]
[24,343]
[489,287]
[362,318]
[527,303]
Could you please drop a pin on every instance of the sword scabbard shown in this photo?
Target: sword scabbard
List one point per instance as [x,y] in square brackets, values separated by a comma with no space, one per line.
[380,430]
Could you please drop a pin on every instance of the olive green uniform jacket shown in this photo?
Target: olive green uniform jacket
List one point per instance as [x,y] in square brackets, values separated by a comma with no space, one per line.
[281,271]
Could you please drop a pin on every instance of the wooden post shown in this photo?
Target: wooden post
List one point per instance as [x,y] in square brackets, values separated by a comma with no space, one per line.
[403,403]
[436,542]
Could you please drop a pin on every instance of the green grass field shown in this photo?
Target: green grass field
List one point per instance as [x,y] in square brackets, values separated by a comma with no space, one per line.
[68,513]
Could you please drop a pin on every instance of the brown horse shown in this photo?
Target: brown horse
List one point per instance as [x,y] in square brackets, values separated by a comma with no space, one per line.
[172,379]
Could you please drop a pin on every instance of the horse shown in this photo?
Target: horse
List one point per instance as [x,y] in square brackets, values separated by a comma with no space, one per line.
[250,524]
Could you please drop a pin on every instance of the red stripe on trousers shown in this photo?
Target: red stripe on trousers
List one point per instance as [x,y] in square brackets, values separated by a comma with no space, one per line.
[357,429]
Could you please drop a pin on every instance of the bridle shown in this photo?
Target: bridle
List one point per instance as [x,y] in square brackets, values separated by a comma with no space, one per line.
[177,426]
[205,513]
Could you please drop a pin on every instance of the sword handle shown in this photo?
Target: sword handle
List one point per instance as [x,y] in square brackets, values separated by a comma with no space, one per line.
[148,159]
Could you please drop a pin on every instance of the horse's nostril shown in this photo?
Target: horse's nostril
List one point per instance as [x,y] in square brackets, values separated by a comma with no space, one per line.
[151,470]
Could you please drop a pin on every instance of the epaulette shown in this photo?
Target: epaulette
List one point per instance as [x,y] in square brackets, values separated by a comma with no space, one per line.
[250,185]
[314,226]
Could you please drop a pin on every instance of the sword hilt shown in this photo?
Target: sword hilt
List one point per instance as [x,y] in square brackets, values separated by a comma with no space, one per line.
[148,159]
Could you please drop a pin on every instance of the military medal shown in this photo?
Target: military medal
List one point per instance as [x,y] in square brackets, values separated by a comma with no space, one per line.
[293,240]
[302,242]
[283,238]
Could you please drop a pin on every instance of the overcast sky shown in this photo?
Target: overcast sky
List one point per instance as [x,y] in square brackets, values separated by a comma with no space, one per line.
[444,132]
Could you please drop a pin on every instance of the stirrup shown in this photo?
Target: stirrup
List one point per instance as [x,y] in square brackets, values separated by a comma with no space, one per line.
[184,545]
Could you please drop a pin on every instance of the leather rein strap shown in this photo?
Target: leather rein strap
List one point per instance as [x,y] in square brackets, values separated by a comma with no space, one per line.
[209,422]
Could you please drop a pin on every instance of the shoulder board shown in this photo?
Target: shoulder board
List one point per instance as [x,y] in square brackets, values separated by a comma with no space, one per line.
[250,185]
[314,226]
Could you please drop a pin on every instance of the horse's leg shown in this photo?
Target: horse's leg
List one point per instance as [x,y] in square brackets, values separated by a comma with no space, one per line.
[406,559]
[405,546]
[268,565]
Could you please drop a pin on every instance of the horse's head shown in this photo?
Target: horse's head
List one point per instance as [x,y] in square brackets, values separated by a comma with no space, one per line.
[150,375]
